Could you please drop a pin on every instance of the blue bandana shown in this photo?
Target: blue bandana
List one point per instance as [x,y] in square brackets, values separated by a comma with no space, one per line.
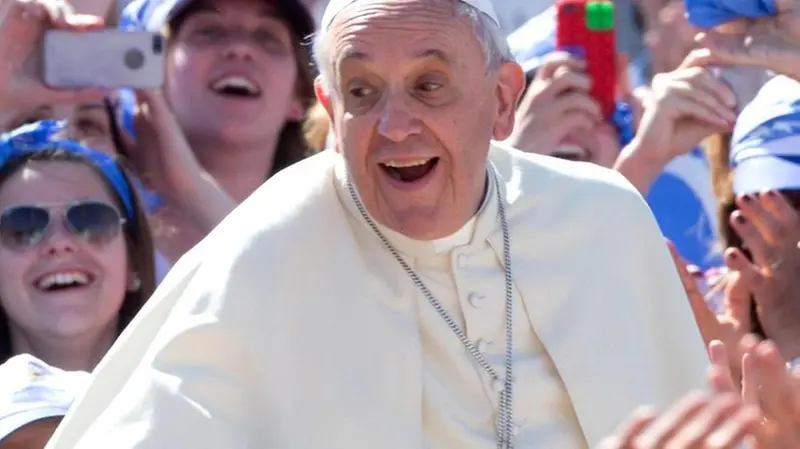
[765,146]
[711,13]
[42,136]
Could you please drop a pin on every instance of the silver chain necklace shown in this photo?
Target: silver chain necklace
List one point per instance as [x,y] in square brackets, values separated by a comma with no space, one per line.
[505,417]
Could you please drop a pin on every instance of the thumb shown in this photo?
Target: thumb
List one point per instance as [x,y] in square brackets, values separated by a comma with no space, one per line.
[699,57]
[737,298]
[706,320]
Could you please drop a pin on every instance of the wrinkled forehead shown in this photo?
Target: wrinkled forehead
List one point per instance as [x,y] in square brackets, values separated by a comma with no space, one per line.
[392,29]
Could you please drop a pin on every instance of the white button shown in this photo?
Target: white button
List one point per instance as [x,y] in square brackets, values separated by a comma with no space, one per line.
[462,260]
[497,385]
[481,346]
[476,300]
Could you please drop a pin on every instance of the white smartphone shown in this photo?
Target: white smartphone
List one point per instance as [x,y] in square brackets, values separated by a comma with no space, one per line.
[104,58]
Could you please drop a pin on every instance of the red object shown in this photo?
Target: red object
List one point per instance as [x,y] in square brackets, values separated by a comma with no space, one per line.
[588,33]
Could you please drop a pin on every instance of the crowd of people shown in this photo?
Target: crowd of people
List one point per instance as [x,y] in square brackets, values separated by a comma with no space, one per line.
[386,223]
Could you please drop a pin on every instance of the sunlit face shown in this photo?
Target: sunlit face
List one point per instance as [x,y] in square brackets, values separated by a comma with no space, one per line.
[232,72]
[414,110]
[87,123]
[33,305]
[31,436]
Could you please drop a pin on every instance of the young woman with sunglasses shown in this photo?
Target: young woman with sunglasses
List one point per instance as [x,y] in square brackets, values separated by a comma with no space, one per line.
[76,254]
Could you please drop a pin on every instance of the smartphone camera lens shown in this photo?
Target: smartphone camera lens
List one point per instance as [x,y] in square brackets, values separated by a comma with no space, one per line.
[134,59]
[158,44]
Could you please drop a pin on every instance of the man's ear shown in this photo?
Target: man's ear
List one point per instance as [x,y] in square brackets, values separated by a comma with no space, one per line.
[510,84]
[323,96]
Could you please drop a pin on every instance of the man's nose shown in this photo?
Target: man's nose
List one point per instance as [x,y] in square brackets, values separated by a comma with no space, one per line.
[397,121]
[59,240]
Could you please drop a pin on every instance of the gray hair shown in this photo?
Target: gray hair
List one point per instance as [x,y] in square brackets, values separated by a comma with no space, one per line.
[489,34]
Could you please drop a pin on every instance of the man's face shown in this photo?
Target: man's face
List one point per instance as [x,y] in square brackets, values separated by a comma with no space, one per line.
[232,71]
[414,109]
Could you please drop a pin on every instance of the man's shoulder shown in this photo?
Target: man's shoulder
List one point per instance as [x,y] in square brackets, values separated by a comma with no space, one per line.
[557,178]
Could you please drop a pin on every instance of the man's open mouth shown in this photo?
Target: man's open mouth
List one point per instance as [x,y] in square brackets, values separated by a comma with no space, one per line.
[409,171]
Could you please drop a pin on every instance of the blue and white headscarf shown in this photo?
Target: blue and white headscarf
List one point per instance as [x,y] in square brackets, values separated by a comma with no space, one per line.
[43,136]
[765,146]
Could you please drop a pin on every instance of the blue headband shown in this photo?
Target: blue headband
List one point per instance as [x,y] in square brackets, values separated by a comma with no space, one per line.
[765,146]
[712,13]
[42,136]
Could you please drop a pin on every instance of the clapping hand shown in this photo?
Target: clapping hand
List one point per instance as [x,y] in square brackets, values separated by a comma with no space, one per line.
[770,229]
[22,27]
[729,328]
[766,384]
[696,422]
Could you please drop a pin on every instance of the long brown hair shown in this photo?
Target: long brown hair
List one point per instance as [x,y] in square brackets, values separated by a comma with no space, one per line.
[139,242]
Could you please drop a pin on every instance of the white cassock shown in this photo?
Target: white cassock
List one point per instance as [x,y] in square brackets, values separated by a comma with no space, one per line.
[291,326]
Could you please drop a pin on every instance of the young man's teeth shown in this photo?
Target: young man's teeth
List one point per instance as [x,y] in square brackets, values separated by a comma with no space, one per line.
[404,164]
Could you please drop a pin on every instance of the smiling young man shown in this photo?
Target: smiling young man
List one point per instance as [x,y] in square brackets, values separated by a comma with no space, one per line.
[420,286]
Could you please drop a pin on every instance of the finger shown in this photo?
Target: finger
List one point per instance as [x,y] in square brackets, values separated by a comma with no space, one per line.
[750,393]
[775,384]
[753,208]
[706,320]
[761,250]
[78,96]
[782,211]
[720,376]
[699,105]
[669,424]
[745,280]
[701,78]
[732,433]
[700,57]
[566,80]
[629,430]
[553,61]
[695,431]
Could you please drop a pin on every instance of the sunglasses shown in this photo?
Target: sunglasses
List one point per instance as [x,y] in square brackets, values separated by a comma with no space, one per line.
[23,227]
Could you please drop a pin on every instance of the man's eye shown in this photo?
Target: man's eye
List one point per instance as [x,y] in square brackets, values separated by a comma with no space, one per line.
[360,92]
[429,86]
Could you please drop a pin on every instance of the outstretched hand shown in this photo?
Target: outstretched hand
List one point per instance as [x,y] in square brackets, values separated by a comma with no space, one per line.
[22,27]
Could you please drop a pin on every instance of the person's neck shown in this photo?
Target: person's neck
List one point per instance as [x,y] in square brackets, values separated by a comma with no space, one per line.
[80,353]
[239,169]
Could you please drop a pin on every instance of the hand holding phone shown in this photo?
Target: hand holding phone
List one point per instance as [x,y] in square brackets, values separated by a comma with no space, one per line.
[106,59]
[22,24]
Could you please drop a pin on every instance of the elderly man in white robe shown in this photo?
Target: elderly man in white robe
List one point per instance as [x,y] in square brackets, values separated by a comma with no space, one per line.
[418,286]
